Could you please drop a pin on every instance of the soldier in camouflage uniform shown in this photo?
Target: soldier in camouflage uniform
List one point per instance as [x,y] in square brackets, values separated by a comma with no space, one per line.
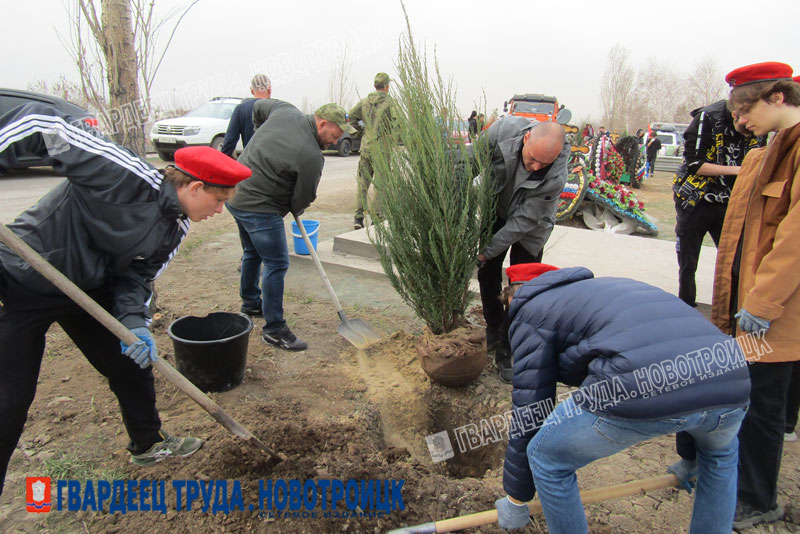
[377,113]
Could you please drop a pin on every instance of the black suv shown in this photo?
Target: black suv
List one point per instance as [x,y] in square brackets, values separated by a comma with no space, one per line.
[347,144]
[13,98]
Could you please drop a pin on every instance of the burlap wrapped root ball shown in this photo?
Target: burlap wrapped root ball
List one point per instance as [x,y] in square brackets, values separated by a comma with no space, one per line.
[455,358]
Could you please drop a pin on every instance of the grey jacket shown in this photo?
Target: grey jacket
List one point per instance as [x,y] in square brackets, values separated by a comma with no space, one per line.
[532,206]
[113,223]
[285,158]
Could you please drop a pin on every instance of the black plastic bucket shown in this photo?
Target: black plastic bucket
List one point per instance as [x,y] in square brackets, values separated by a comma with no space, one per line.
[211,351]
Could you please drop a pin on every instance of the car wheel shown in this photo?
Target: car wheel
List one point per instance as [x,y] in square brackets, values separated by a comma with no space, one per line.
[166,155]
[344,148]
[216,143]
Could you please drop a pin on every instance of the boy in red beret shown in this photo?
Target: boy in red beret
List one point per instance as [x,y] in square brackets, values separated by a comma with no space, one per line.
[634,380]
[757,282]
[111,227]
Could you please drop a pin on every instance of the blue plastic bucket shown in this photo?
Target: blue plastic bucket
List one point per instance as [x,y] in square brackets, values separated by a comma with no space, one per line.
[312,229]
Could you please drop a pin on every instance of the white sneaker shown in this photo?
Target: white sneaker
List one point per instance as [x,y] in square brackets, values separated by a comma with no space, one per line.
[790,437]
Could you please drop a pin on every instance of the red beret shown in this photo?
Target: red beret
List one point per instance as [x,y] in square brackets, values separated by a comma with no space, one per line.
[210,166]
[796,79]
[769,71]
[523,272]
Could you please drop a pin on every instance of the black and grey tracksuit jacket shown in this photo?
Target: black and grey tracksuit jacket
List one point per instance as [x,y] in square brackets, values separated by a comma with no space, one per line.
[114,222]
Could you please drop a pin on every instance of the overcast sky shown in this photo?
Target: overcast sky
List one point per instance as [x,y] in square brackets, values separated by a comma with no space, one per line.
[498,47]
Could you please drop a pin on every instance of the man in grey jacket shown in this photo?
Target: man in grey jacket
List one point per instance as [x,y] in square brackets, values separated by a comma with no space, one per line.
[529,168]
[285,155]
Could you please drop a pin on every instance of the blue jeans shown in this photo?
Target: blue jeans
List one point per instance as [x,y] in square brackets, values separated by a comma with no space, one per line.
[263,239]
[571,438]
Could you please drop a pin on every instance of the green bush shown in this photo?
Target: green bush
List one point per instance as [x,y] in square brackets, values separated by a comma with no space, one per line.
[437,214]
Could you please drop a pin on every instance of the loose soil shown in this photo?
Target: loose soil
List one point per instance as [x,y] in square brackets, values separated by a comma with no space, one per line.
[333,411]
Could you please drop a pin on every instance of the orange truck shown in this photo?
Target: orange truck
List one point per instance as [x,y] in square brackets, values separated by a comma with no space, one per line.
[537,107]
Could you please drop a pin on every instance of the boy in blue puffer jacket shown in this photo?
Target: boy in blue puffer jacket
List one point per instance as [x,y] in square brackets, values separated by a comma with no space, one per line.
[669,371]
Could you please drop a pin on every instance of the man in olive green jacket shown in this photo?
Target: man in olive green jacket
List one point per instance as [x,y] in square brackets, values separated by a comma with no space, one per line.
[377,113]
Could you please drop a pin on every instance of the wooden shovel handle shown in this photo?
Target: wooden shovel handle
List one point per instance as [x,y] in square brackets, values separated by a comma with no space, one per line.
[119,330]
[320,269]
[588,497]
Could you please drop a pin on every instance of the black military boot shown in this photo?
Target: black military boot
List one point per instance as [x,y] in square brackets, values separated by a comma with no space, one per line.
[492,339]
[503,363]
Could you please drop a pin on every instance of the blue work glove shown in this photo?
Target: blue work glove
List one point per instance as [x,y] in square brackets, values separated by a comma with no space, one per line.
[750,323]
[686,473]
[142,352]
[511,515]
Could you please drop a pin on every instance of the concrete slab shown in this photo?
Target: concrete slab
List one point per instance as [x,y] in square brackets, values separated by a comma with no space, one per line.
[646,259]
[355,243]
[650,260]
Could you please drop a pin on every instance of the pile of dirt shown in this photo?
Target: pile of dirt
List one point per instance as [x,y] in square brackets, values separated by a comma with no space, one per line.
[315,450]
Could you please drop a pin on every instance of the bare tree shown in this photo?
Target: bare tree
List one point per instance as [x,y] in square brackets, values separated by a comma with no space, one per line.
[308,106]
[659,95]
[146,30]
[113,31]
[706,83]
[340,84]
[87,56]
[62,87]
[616,88]
[119,43]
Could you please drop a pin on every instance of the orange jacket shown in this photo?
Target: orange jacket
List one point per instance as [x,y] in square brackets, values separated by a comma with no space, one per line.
[763,212]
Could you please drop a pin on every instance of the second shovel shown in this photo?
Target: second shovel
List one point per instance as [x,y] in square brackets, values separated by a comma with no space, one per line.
[358,332]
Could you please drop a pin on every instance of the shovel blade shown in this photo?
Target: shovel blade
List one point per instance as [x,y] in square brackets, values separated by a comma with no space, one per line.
[359,333]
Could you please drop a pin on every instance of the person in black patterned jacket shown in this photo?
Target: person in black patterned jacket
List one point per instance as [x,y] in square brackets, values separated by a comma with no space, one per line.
[713,151]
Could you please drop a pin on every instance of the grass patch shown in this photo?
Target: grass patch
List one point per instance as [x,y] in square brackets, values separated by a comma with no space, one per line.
[68,466]
[192,241]
[656,193]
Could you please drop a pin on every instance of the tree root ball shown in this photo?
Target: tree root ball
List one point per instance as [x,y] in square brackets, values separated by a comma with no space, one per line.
[455,358]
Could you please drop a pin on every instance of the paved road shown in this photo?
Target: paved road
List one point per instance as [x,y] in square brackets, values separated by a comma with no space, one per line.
[338,174]
[21,189]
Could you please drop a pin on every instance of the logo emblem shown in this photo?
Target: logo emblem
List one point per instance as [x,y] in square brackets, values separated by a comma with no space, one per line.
[37,494]
[439,446]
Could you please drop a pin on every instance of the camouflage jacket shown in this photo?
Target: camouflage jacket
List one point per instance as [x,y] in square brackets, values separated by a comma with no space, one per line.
[378,113]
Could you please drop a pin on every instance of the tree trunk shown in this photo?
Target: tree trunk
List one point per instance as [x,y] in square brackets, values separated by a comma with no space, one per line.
[125,115]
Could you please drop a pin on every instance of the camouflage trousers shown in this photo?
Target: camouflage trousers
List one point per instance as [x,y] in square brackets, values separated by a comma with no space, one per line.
[364,178]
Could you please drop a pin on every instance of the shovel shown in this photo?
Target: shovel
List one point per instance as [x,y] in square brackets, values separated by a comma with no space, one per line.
[118,329]
[588,497]
[359,333]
